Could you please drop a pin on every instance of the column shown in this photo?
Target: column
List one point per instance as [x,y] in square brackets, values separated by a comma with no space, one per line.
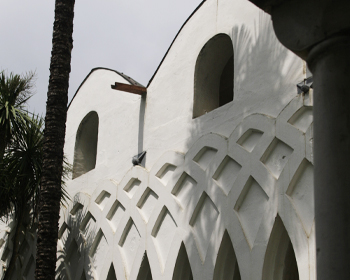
[329,62]
[319,32]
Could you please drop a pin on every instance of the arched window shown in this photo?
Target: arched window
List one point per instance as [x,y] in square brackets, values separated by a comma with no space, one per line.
[85,149]
[213,77]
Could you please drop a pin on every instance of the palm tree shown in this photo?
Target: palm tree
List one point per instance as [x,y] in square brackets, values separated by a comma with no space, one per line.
[55,120]
[14,93]
[20,178]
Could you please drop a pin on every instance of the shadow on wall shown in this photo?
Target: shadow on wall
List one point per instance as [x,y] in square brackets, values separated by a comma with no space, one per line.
[260,60]
[251,59]
[259,67]
[77,238]
[25,264]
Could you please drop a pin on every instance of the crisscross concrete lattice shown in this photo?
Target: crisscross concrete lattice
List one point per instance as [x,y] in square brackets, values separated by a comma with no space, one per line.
[220,199]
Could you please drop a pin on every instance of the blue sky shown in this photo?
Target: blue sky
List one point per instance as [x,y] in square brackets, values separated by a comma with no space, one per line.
[130,36]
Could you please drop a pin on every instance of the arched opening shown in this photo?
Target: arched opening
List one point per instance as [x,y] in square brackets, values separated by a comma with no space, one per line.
[213,77]
[182,269]
[111,273]
[145,269]
[280,262]
[226,267]
[85,149]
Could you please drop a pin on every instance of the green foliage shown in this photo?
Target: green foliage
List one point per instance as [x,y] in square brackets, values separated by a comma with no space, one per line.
[21,135]
[21,168]
[14,93]
[21,160]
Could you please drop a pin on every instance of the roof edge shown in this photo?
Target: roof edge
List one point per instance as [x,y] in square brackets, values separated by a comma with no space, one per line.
[126,77]
[160,64]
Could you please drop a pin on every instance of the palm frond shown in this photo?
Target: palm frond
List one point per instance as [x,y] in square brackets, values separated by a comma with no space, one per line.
[15,90]
[21,169]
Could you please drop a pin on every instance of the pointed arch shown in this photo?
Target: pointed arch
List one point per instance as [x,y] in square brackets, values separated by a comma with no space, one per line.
[145,270]
[111,273]
[280,262]
[213,78]
[226,267]
[182,270]
[85,149]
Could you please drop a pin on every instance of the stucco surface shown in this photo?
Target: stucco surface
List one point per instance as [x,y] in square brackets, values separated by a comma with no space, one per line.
[226,191]
[219,185]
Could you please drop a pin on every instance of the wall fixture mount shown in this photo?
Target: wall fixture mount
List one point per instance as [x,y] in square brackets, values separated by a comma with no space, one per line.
[136,160]
[304,86]
[130,88]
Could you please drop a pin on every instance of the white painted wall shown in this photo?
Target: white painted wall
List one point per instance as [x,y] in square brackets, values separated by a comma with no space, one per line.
[264,82]
[118,114]
[232,172]
[265,74]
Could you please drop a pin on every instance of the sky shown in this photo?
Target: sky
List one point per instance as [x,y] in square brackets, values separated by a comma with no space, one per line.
[130,36]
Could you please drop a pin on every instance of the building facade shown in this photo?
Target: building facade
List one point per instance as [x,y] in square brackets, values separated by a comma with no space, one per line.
[225,189]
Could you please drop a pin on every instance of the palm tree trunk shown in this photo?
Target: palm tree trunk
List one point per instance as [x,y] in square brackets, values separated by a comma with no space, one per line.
[54,134]
[15,251]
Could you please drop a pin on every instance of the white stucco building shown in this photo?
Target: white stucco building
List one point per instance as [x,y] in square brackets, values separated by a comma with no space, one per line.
[225,190]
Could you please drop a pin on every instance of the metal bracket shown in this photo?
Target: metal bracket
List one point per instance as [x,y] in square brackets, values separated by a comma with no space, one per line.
[136,160]
[304,86]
